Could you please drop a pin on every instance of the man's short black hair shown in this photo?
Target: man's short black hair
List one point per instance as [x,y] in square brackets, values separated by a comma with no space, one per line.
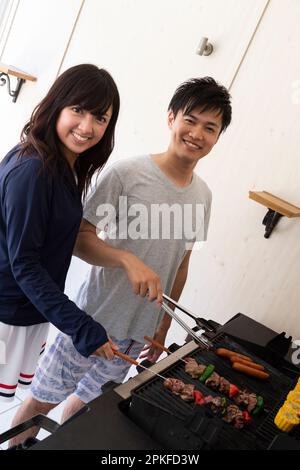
[204,93]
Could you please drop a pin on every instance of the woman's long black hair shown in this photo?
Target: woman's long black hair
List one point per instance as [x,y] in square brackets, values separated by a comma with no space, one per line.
[94,90]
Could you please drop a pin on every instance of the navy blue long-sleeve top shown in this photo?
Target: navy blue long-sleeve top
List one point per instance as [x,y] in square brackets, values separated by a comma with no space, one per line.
[39,220]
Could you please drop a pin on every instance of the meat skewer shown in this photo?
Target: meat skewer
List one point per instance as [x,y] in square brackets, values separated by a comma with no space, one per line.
[215,381]
[230,413]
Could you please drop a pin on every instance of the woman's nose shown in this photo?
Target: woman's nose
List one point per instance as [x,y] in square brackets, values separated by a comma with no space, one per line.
[86,124]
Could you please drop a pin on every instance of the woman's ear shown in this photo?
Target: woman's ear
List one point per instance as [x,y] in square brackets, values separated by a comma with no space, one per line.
[170,119]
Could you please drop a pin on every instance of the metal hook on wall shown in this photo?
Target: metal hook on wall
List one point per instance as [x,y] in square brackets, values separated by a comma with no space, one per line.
[4,78]
[204,47]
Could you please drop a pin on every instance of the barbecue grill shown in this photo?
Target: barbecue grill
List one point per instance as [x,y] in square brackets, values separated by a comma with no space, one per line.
[142,414]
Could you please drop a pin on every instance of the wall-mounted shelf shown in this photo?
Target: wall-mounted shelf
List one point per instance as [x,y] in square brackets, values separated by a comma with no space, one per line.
[6,71]
[277,208]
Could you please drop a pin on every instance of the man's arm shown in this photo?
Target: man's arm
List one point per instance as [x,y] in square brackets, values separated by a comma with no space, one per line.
[94,251]
[153,353]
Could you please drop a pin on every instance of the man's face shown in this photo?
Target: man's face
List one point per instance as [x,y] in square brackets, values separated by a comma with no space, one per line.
[193,135]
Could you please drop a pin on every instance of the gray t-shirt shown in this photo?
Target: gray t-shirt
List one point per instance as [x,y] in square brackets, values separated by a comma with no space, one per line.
[138,209]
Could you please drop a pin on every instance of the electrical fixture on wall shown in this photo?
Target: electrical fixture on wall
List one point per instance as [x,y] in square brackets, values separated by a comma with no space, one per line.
[204,47]
[6,71]
[277,208]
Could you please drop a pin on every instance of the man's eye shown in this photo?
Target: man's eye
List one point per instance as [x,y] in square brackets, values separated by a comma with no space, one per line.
[189,120]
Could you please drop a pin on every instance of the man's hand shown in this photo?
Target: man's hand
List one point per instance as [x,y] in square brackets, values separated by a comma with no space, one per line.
[106,350]
[152,352]
[92,250]
[144,281]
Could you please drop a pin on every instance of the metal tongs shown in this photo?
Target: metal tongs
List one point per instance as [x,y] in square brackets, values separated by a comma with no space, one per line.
[199,321]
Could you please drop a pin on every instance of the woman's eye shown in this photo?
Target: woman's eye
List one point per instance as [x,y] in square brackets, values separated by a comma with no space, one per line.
[76,109]
[101,119]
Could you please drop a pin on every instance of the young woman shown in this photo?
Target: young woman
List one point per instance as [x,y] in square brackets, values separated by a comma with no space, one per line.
[42,181]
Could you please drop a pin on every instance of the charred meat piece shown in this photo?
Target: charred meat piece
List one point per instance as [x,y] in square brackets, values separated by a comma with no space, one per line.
[176,386]
[247,399]
[239,421]
[187,394]
[186,391]
[216,403]
[213,381]
[235,416]
[224,386]
[193,368]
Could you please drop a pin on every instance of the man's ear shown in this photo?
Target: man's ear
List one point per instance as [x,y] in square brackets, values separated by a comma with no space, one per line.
[171,119]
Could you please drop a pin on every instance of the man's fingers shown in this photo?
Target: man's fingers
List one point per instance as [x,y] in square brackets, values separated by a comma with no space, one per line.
[143,289]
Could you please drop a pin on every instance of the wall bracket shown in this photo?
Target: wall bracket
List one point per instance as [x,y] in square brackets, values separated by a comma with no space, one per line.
[270,220]
[277,208]
[6,71]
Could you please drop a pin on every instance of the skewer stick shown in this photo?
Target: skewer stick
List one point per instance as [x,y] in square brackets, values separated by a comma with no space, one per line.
[158,345]
[136,363]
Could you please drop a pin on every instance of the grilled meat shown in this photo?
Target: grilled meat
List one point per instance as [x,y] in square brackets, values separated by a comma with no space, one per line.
[247,399]
[187,393]
[176,386]
[224,386]
[216,403]
[213,381]
[193,368]
[235,416]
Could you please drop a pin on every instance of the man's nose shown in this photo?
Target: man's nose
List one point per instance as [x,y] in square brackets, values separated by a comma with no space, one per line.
[196,133]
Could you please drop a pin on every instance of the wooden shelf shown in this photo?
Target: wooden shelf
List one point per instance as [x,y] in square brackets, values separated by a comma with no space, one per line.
[275,203]
[10,70]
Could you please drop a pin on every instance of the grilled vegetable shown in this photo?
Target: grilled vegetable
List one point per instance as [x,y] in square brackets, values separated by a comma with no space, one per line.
[259,406]
[233,390]
[247,418]
[286,420]
[199,397]
[207,373]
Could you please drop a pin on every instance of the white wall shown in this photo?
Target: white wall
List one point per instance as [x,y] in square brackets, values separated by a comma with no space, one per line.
[240,270]
[36,44]
[149,47]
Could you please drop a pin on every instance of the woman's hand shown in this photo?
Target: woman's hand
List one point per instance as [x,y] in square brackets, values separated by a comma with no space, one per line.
[106,350]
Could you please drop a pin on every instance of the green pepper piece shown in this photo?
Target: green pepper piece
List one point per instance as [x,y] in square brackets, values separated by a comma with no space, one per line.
[207,373]
[224,405]
[259,406]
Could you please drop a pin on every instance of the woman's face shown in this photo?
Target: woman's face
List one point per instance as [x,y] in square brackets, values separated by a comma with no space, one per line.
[78,130]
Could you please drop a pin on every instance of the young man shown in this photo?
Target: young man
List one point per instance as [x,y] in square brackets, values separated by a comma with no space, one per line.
[131,204]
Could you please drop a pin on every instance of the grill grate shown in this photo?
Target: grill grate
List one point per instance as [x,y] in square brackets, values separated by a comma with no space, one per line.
[262,430]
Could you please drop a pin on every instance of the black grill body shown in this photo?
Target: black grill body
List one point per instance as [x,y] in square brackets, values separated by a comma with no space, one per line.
[154,408]
[142,415]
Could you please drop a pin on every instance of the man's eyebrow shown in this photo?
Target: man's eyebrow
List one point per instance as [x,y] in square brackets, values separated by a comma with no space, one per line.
[208,123]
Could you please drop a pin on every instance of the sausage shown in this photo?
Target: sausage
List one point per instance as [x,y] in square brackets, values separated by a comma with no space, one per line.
[246,363]
[259,374]
[227,353]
